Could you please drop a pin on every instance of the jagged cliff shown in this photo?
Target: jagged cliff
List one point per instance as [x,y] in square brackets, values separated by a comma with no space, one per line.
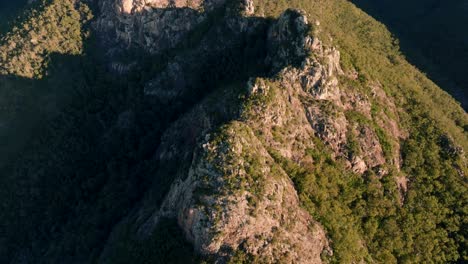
[231,132]
[235,195]
[232,195]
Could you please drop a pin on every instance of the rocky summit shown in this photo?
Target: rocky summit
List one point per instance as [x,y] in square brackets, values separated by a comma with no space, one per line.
[223,131]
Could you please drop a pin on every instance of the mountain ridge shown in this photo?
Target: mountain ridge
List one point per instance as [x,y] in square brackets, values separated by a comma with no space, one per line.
[208,149]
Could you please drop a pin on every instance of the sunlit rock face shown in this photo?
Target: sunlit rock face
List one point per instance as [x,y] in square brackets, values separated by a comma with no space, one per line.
[126,6]
[130,6]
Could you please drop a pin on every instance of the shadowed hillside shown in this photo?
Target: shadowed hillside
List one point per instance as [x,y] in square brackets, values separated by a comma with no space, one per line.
[79,142]
[433,36]
[8,11]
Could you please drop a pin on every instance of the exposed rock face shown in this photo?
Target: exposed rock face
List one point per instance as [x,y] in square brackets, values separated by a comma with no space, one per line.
[331,110]
[134,6]
[287,48]
[235,199]
[154,25]
[249,7]
[231,195]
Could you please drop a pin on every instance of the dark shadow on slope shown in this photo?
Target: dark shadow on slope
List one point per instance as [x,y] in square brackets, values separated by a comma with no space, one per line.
[8,12]
[26,103]
[432,36]
[85,159]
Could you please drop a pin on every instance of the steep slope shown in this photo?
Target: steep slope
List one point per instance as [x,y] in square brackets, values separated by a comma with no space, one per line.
[425,29]
[43,45]
[231,195]
[205,131]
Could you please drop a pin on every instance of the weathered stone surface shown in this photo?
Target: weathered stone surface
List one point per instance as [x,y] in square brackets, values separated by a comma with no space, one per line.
[329,104]
[230,194]
[222,207]
[154,25]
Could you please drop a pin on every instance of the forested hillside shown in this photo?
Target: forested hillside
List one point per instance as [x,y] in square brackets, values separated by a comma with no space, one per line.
[433,37]
[224,131]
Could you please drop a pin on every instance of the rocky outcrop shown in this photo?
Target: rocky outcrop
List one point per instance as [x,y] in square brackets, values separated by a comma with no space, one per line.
[154,25]
[230,195]
[287,40]
[235,198]
[339,115]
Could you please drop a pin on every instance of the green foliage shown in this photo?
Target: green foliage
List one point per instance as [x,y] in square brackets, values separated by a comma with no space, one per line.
[364,217]
[225,140]
[240,257]
[329,192]
[352,146]
[51,27]
[384,142]
[428,226]
[435,210]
